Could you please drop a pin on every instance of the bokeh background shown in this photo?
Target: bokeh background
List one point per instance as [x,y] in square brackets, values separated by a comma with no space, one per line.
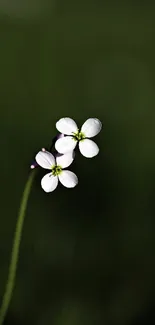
[87,255]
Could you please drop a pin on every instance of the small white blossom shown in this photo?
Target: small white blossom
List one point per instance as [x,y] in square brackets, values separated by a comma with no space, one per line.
[89,129]
[50,181]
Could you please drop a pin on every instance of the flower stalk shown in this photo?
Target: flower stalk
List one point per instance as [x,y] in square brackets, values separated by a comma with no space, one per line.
[15,250]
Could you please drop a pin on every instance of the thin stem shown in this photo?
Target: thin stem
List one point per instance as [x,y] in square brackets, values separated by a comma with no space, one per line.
[15,250]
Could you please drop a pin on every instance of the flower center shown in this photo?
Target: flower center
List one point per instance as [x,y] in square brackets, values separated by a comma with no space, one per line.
[78,136]
[56,170]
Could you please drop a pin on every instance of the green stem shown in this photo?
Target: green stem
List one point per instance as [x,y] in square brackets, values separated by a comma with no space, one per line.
[15,250]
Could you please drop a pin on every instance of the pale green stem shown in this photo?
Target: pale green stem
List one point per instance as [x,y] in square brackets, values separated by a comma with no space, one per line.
[15,250]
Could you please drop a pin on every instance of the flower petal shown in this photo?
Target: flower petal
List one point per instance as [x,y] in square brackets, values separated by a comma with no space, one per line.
[49,182]
[45,159]
[88,148]
[66,126]
[65,160]
[68,179]
[65,145]
[91,127]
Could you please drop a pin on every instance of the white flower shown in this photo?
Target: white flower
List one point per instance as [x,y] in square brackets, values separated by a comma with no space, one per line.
[50,181]
[89,129]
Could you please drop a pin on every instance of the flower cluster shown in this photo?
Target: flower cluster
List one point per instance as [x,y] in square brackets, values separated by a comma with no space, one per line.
[70,136]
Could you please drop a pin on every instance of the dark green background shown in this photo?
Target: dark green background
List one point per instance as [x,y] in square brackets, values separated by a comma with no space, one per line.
[87,255]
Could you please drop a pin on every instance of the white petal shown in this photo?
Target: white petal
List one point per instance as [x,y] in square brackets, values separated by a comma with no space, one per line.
[65,160]
[88,148]
[66,126]
[91,127]
[68,179]
[49,182]
[45,159]
[65,145]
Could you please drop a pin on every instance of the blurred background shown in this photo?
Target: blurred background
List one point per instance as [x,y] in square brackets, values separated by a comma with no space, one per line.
[87,255]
